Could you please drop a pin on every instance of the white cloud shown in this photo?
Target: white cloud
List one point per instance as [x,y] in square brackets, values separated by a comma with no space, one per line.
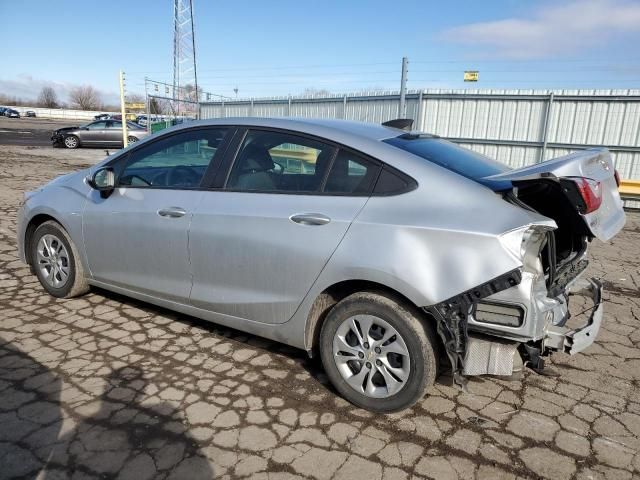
[552,29]
[26,87]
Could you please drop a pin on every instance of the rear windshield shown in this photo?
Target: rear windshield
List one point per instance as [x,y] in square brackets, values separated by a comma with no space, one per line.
[460,160]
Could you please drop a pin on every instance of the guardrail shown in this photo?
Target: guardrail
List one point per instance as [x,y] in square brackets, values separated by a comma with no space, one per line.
[629,189]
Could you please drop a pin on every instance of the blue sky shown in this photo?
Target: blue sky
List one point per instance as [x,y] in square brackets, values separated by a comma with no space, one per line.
[282,47]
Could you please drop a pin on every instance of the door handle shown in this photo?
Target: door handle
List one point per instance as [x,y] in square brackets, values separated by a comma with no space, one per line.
[172,212]
[310,219]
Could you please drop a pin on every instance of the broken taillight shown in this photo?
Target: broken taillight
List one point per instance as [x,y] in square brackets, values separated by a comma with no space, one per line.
[591,192]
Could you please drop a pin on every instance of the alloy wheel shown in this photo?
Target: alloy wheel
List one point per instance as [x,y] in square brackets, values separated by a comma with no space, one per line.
[53,261]
[71,142]
[371,356]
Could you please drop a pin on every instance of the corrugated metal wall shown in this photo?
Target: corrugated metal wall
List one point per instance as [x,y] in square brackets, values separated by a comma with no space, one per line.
[517,127]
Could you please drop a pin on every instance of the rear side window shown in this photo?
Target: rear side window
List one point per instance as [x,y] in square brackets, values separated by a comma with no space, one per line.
[352,174]
[449,155]
[280,162]
[393,182]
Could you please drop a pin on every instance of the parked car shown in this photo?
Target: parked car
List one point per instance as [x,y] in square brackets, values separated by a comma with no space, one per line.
[11,113]
[99,133]
[102,116]
[372,247]
[30,113]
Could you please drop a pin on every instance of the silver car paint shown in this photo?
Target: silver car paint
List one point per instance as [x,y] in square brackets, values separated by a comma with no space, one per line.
[447,236]
[128,244]
[261,263]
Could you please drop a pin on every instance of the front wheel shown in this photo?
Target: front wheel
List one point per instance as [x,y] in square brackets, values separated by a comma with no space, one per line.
[56,261]
[131,139]
[71,141]
[378,352]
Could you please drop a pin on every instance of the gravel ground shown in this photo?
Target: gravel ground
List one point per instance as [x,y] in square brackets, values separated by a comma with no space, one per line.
[107,387]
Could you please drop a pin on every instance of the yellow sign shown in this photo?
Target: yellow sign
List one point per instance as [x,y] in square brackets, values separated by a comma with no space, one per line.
[471,76]
[136,106]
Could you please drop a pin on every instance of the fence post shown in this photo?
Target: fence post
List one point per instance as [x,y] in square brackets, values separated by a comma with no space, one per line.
[289,109]
[545,128]
[420,123]
[251,112]
[222,111]
[344,107]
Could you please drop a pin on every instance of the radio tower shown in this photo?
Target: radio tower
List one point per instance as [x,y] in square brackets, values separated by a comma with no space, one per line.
[185,79]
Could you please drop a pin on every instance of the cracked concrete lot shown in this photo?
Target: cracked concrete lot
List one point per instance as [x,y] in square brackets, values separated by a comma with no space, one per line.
[107,387]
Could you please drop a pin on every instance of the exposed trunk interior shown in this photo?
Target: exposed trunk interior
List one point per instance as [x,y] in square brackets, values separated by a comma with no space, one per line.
[562,256]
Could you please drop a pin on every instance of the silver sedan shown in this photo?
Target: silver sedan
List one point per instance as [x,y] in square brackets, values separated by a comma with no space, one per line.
[101,133]
[391,254]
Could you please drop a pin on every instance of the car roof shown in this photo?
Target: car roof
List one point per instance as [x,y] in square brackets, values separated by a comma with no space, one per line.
[343,131]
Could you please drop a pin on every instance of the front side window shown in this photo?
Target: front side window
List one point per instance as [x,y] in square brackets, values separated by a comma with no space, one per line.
[96,126]
[178,161]
[280,162]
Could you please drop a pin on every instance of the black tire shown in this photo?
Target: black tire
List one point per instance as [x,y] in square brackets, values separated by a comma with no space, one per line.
[76,284]
[417,333]
[71,141]
[131,139]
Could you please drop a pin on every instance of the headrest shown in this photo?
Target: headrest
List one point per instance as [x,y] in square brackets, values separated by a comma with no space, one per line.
[256,158]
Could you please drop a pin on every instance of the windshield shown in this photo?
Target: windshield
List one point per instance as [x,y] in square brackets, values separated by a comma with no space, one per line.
[460,160]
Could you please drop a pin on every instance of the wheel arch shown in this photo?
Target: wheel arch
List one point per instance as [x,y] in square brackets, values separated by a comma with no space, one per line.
[331,295]
[33,224]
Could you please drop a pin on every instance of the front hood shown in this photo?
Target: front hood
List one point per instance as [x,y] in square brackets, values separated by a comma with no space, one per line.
[65,129]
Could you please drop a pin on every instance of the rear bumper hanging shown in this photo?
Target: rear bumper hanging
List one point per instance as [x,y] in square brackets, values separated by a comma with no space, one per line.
[572,341]
[452,318]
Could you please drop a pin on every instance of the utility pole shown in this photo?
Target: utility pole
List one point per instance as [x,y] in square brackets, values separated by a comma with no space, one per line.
[123,110]
[402,109]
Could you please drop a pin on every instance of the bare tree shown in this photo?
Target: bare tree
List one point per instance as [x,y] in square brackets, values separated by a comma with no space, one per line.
[154,107]
[85,97]
[48,98]
[135,98]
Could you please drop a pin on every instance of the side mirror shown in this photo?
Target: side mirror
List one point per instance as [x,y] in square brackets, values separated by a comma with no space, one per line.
[103,179]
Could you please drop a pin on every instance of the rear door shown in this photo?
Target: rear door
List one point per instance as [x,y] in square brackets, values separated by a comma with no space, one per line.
[113,133]
[260,240]
[596,167]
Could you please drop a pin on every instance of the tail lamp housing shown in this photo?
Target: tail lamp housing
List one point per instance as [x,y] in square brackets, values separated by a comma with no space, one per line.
[591,193]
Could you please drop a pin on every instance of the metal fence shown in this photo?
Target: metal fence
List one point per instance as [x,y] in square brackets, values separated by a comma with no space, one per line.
[517,127]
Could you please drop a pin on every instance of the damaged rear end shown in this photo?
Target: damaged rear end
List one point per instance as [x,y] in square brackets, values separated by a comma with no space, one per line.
[522,316]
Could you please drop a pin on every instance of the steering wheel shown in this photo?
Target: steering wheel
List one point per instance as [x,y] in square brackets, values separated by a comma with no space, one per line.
[182,176]
[131,179]
[278,168]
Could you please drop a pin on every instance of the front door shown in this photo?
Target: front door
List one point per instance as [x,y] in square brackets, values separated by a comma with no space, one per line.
[138,237]
[94,132]
[258,245]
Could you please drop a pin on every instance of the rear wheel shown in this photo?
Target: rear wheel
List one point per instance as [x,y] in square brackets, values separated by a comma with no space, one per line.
[56,262]
[378,352]
[71,141]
